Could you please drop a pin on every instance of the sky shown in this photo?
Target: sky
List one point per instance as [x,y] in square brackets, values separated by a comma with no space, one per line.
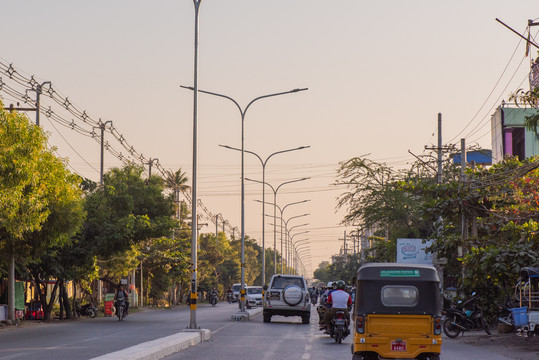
[378,73]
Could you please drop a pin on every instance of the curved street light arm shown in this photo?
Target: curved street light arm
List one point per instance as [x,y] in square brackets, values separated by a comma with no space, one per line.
[271,95]
[294,217]
[261,182]
[291,181]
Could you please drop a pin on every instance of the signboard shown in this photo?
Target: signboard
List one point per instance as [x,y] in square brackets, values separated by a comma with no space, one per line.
[412,251]
[400,273]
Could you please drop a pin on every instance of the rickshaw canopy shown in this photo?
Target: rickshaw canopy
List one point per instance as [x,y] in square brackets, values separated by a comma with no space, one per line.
[392,288]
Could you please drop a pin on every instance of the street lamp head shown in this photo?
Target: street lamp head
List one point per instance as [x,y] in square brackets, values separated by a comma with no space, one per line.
[298,90]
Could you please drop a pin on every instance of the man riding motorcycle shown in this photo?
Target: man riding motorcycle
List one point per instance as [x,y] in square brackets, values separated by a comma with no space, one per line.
[120,295]
[338,300]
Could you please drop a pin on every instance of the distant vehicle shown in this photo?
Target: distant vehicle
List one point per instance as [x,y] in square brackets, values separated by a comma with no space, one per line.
[287,295]
[253,296]
[236,290]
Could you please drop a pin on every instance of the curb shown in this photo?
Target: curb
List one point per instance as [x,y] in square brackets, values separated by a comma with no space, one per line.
[160,348]
[247,315]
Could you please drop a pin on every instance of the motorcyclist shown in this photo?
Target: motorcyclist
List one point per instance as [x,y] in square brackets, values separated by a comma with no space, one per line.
[120,295]
[338,300]
[213,293]
[229,295]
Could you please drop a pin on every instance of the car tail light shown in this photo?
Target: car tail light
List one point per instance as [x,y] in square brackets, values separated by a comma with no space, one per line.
[360,324]
[437,325]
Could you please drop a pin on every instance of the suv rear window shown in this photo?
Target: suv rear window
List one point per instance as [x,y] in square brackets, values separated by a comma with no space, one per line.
[282,282]
[400,295]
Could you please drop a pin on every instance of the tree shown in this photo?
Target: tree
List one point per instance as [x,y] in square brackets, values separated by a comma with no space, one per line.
[322,272]
[177,181]
[33,183]
[124,212]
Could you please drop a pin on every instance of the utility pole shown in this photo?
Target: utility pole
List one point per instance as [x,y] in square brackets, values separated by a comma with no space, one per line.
[217,223]
[463,214]
[102,127]
[39,90]
[150,164]
[440,149]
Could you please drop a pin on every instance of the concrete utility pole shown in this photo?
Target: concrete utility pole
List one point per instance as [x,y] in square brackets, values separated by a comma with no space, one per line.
[463,179]
[439,148]
[150,164]
[217,223]
[39,90]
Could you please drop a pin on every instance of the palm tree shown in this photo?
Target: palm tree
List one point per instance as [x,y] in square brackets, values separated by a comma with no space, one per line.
[177,181]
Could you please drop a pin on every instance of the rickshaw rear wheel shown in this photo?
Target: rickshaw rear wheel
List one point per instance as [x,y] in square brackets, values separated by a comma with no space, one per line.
[450,329]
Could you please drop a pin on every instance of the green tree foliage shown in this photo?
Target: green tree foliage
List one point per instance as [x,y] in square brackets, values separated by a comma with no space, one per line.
[342,267]
[40,202]
[501,205]
[124,212]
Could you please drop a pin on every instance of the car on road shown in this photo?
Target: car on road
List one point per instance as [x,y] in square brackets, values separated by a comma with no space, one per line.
[253,296]
[287,295]
[236,291]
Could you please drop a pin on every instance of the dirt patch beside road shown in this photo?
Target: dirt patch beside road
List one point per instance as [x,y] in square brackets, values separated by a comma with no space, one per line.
[511,345]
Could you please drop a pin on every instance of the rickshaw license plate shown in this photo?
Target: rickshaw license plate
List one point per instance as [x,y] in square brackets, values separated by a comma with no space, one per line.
[398,346]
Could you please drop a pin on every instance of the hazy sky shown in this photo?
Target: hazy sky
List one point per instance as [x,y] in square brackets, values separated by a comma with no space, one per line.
[378,74]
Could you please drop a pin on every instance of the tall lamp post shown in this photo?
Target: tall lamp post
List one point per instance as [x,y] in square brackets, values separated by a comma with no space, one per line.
[288,246]
[300,233]
[263,163]
[194,232]
[242,113]
[275,190]
[297,243]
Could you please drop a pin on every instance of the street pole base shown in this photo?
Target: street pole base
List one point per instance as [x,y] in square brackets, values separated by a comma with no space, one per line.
[240,316]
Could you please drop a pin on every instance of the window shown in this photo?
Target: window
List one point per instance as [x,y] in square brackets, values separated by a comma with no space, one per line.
[282,282]
[254,291]
[400,295]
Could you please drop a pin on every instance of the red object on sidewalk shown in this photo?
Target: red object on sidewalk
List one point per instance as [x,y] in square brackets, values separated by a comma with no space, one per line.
[108,308]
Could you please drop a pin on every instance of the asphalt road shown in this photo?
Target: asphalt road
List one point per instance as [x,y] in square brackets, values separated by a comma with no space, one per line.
[88,338]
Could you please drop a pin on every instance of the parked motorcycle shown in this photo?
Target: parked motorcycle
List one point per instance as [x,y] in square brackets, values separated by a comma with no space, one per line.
[120,309]
[86,310]
[464,316]
[339,327]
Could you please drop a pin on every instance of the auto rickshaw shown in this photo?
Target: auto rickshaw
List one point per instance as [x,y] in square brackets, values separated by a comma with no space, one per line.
[397,312]
[526,317]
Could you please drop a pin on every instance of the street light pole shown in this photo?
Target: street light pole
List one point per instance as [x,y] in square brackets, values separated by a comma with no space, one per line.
[242,113]
[194,226]
[263,163]
[275,216]
[292,237]
[288,248]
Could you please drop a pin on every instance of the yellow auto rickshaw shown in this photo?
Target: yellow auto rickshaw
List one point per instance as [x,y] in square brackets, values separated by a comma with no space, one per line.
[397,312]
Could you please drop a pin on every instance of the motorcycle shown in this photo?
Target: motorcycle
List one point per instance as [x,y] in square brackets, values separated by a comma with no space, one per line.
[230,297]
[339,327]
[120,309]
[213,299]
[86,310]
[465,316]
[321,309]
[314,299]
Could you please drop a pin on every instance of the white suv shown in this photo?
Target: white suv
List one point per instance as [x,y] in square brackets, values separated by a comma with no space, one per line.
[287,295]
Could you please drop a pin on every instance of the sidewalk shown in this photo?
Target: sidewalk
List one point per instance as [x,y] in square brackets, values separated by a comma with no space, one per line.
[509,344]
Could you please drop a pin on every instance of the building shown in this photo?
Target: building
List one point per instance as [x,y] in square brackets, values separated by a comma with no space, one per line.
[510,137]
